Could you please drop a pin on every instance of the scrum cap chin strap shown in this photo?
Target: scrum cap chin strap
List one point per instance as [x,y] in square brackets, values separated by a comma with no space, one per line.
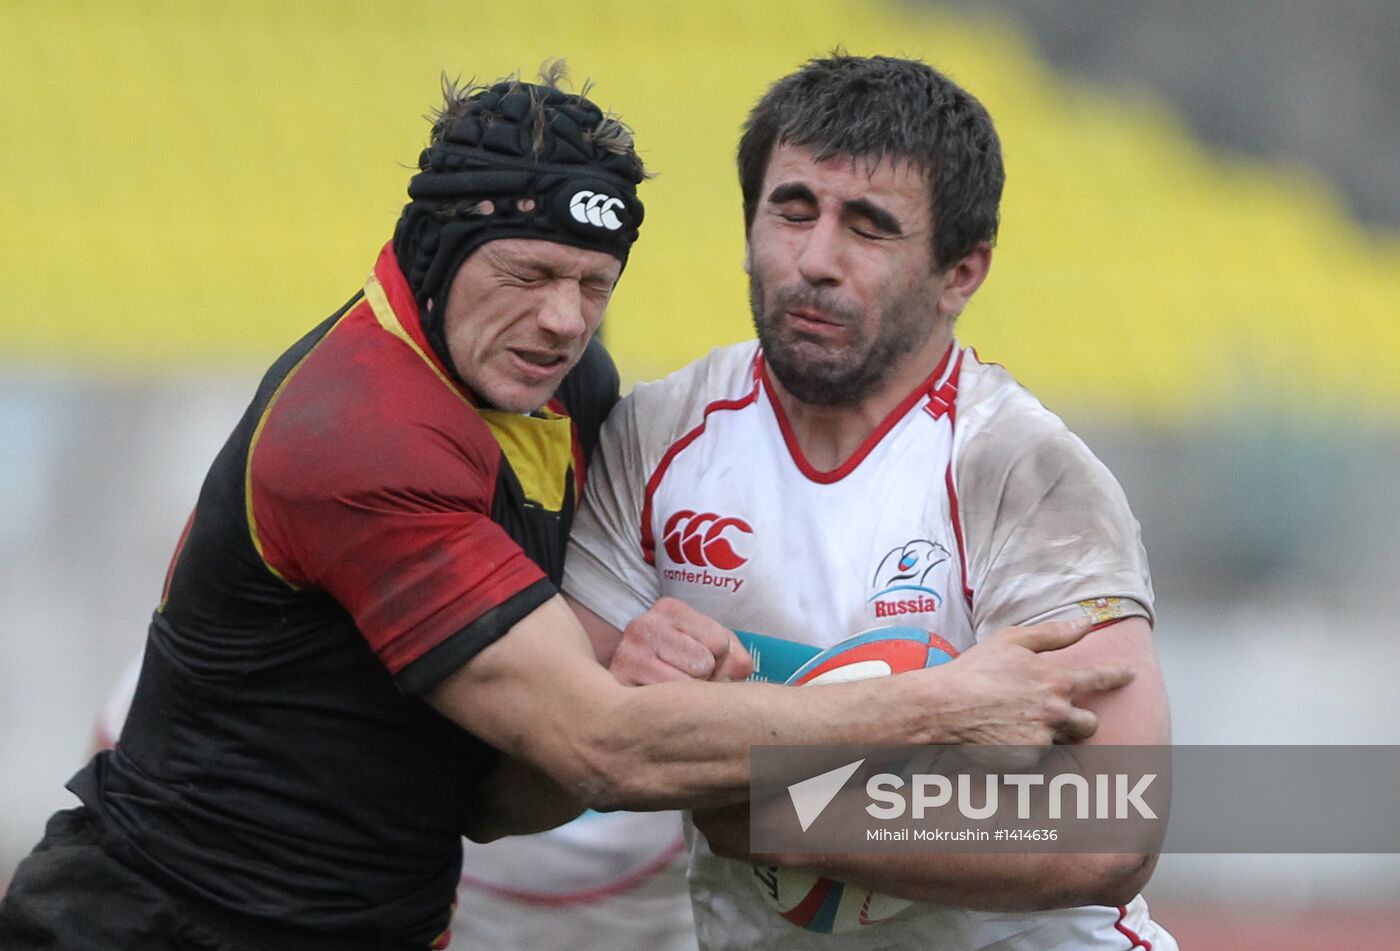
[501,152]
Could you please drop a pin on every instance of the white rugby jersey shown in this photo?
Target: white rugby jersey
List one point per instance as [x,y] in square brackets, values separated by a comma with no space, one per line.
[970,508]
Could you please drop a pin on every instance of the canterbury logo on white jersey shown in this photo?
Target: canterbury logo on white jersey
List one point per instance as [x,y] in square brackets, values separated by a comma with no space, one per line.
[595,208]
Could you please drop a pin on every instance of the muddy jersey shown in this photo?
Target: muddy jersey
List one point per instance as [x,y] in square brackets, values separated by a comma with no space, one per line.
[969,508]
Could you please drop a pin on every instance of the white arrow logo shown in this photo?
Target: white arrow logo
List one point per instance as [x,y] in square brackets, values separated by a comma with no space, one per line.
[595,208]
[811,796]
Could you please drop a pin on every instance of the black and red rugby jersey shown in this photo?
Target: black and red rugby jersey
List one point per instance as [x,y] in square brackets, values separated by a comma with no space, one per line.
[365,531]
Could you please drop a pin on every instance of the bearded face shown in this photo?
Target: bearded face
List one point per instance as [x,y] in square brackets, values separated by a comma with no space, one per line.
[842,283]
[834,368]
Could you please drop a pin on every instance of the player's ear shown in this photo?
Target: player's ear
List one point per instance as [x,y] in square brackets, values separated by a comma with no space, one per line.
[748,259]
[964,278]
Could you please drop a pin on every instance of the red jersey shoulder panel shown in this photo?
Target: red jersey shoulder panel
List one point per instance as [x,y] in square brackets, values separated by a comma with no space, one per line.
[371,477]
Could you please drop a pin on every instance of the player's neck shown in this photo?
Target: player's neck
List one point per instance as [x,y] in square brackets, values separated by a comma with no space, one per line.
[828,435]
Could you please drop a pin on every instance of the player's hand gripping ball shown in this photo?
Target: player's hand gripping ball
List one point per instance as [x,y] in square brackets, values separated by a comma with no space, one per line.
[813,901]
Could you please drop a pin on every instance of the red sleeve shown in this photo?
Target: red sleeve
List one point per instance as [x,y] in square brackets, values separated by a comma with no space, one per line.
[394,523]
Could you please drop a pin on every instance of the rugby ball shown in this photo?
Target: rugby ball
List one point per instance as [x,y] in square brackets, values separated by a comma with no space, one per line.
[813,901]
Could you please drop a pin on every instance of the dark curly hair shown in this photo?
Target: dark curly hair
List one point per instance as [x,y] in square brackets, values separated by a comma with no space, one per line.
[880,107]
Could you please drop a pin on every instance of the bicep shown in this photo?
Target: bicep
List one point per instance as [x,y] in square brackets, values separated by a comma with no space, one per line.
[528,692]
[1136,714]
[1049,533]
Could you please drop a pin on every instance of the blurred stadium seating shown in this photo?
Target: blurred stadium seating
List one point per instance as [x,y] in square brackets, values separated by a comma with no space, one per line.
[198,182]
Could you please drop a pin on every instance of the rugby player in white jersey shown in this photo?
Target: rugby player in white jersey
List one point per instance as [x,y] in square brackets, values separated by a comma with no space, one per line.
[772,484]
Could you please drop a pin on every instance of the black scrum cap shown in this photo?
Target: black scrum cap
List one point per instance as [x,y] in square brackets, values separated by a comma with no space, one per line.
[513,141]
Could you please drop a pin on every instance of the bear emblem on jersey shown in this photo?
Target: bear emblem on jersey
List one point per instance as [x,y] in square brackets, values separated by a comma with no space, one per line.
[901,583]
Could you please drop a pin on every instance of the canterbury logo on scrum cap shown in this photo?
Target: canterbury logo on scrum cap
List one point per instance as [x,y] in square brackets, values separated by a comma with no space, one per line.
[596,208]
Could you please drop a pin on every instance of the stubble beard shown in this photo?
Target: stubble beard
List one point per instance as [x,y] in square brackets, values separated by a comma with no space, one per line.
[847,375]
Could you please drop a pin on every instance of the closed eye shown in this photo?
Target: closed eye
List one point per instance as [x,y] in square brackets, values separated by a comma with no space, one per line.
[872,221]
[793,202]
[524,278]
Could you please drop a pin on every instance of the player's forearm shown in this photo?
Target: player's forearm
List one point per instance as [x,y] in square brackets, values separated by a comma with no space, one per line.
[685,744]
[539,695]
[991,882]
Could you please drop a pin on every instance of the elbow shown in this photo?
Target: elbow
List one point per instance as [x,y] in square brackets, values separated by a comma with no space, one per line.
[1128,877]
[540,818]
[1105,879]
[482,833]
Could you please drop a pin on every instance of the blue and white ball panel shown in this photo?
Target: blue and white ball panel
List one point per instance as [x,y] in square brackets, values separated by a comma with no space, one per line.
[815,902]
[775,660]
[877,653]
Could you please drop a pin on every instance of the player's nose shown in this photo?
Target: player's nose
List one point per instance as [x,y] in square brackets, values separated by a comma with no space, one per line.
[561,311]
[819,257]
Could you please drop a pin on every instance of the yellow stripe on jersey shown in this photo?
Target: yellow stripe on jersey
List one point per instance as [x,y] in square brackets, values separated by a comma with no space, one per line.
[540,450]
[384,313]
[253,447]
